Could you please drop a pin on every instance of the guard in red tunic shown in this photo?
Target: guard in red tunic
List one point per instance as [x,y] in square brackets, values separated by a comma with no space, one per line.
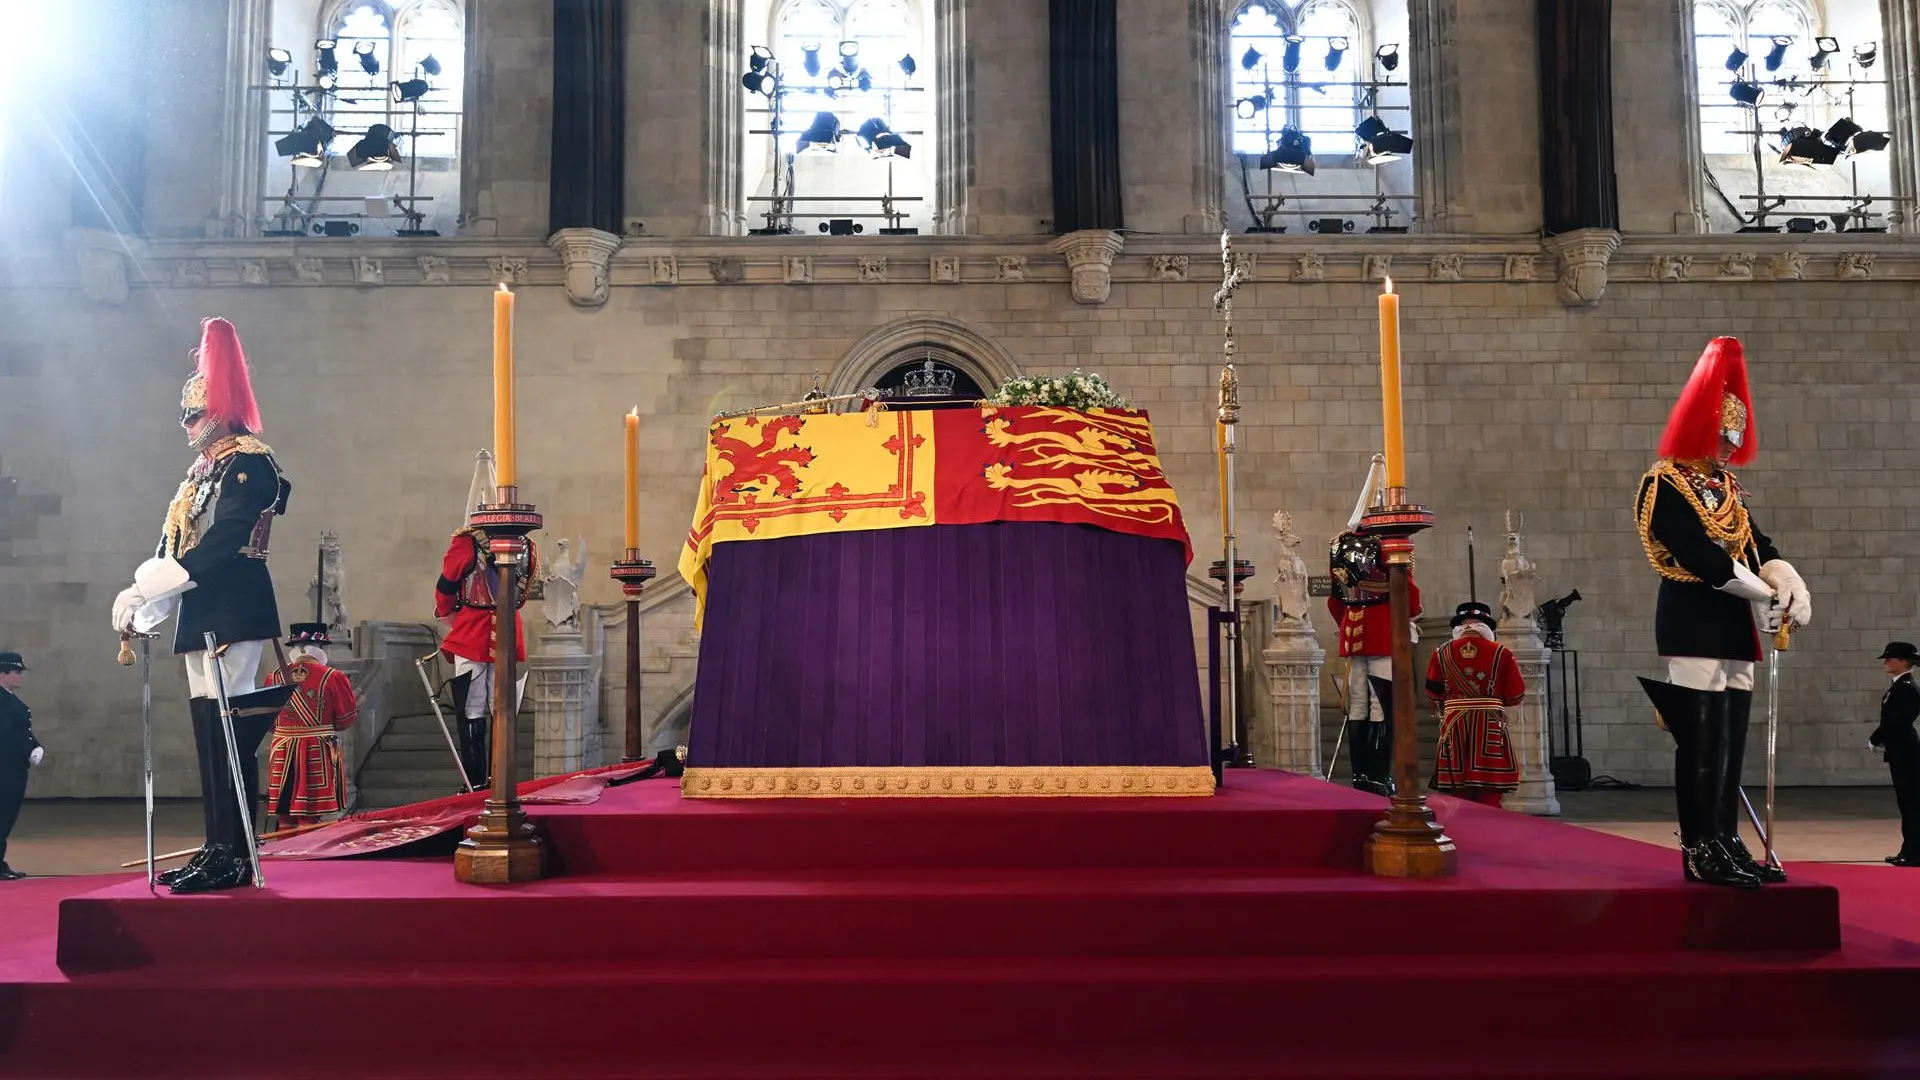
[1722,584]
[1471,680]
[306,779]
[464,601]
[1361,613]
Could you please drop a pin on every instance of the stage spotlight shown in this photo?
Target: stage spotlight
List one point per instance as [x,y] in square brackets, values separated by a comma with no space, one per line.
[328,61]
[369,63]
[1383,143]
[430,65]
[1250,59]
[908,66]
[1806,147]
[849,56]
[1823,47]
[1805,225]
[278,61]
[1387,56]
[410,91]
[822,134]
[375,151]
[810,60]
[758,82]
[881,141]
[327,83]
[1290,57]
[1842,130]
[1736,59]
[1866,53]
[1778,54]
[836,82]
[308,146]
[1294,154]
[1247,108]
[1330,225]
[864,80]
[1336,52]
[758,58]
[1866,142]
[1746,93]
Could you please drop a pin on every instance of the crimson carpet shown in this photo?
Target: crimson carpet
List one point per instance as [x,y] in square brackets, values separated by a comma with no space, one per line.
[1232,936]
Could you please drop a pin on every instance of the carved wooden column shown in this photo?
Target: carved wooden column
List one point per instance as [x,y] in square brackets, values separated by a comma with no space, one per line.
[1576,115]
[1084,80]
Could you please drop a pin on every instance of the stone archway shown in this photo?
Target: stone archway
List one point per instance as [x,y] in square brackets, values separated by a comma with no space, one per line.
[915,338]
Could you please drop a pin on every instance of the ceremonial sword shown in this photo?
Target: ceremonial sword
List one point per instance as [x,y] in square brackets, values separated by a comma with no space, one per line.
[233,757]
[433,699]
[146,730]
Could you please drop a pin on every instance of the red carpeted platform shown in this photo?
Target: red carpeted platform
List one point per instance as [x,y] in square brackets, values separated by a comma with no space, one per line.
[1162,937]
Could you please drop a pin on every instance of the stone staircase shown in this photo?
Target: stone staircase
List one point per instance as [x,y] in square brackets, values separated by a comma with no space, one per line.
[411,763]
[1330,722]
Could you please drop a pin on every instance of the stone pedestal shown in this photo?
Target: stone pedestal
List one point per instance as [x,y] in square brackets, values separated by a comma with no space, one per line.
[369,678]
[1289,736]
[1527,723]
[564,682]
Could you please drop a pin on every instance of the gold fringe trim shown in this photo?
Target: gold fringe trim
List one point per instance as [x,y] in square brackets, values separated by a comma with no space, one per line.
[1729,526]
[938,781]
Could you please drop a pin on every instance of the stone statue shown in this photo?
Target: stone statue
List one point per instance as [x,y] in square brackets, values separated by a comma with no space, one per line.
[561,603]
[1517,576]
[329,588]
[1290,579]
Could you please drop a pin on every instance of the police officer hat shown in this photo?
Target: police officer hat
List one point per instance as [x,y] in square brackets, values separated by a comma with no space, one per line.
[1895,650]
[11,661]
[1474,612]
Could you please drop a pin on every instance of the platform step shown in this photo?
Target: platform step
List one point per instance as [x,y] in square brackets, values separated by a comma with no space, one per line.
[1684,1016]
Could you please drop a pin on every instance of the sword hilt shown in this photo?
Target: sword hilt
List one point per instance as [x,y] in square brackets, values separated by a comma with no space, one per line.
[1783,637]
[126,650]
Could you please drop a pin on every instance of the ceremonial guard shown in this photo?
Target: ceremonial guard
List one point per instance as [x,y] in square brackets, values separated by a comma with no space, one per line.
[464,599]
[212,566]
[1471,680]
[1722,584]
[1361,612]
[306,779]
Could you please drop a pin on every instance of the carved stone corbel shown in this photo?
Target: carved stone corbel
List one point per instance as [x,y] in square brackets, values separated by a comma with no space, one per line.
[1583,255]
[1090,254]
[102,257]
[587,255]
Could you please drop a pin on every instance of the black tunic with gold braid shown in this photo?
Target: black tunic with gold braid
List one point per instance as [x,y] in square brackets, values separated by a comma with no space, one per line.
[1693,523]
[217,528]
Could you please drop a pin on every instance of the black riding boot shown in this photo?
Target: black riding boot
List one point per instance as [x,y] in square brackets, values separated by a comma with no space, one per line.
[475,755]
[1727,820]
[206,720]
[1382,734]
[1697,720]
[222,866]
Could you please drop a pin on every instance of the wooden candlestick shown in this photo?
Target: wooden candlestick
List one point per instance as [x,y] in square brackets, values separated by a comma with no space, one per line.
[503,846]
[633,573]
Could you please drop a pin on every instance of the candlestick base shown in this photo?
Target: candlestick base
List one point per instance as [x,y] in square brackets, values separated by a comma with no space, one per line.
[503,847]
[1408,843]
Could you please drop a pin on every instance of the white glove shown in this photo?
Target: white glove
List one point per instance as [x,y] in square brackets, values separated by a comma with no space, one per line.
[1747,587]
[1413,631]
[125,606]
[33,759]
[1790,592]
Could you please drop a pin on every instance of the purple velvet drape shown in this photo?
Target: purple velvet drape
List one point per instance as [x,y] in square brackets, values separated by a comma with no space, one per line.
[1010,643]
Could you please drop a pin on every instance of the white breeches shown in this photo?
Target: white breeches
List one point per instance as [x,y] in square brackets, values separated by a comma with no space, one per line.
[238,667]
[1702,673]
[1362,702]
[479,703]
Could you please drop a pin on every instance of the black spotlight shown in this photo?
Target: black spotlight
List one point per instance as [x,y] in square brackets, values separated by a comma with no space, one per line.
[430,65]
[1290,58]
[1805,225]
[1294,154]
[881,141]
[1330,225]
[1247,108]
[1823,47]
[1804,146]
[907,65]
[1778,54]
[1736,59]
[758,58]
[375,151]
[1336,52]
[308,146]
[278,61]
[329,63]
[1866,53]
[409,91]
[849,56]
[1746,93]
[1867,142]
[1387,56]
[822,134]
[369,63]
[758,82]
[810,60]
[1383,143]
[1842,130]
[1250,59]
[327,83]
[864,80]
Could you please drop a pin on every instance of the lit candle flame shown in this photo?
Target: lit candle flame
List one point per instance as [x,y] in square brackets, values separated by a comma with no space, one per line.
[503,287]
[634,412]
[1389,282]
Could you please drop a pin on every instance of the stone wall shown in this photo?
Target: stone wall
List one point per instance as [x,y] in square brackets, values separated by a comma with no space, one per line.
[371,363]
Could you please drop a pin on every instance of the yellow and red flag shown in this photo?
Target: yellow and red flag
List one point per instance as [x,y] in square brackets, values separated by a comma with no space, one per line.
[770,477]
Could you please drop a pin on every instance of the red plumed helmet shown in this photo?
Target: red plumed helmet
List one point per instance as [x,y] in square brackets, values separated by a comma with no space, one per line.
[220,386]
[1716,404]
